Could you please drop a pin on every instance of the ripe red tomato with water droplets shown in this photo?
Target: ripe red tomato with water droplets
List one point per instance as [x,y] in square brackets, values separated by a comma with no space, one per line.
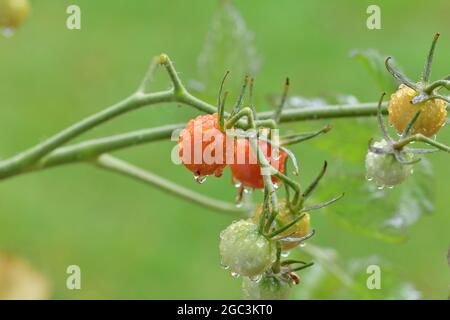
[202,146]
[245,168]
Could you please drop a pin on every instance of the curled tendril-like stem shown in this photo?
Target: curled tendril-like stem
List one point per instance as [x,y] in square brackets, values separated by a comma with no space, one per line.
[302,267]
[221,102]
[240,98]
[429,61]
[310,189]
[322,205]
[410,125]
[289,237]
[277,114]
[426,91]
[285,227]
[398,75]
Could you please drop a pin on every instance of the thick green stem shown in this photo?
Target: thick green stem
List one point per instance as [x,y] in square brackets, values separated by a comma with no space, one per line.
[245,112]
[437,84]
[25,159]
[327,112]
[86,150]
[268,184]
[420,138]
[90,149]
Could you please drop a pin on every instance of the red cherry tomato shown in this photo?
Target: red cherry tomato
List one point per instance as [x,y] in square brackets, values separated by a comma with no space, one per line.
[245,168]
[201,146]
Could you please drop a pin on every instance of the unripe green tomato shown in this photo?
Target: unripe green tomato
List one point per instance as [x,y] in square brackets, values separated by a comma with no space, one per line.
[267,288]
[244,250]
[284,217]
[13,12]
[384,169]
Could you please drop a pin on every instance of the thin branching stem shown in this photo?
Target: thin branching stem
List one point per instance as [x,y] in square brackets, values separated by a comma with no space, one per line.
[279,111]
[410,125]
[437,85]
[429,61]
[420,138]
[398,75]
[116,165]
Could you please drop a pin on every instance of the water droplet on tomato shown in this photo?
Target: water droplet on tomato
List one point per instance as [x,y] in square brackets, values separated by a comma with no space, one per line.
[256,278]
[200,179]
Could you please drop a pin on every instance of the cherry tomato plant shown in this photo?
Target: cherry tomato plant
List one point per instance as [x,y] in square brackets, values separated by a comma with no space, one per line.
[255,246]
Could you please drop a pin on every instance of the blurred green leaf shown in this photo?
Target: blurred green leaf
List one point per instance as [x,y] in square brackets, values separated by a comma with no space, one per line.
[384,214]
[373,61]
[331,278]
[229,45]
[352,137]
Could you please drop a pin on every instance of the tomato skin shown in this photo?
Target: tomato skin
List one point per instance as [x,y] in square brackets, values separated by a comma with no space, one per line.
[401,111]
[269,287]
[285,216]
[384,169]
[13,12]
[247,171]
[244,250]
[203,130]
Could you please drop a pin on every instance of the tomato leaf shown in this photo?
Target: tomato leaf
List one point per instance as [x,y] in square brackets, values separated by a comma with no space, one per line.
[384,214]
[229,45]
[357,278]
[373,61]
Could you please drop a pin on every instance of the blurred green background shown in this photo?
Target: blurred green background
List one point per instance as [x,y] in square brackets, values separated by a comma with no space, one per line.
[134,241]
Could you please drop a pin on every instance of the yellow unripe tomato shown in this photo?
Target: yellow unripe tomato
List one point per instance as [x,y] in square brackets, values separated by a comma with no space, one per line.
[13,12]
[298,230]
[401,111]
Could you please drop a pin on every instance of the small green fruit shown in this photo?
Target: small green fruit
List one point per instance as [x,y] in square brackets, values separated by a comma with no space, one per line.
[267,288]
[384,169]
[244,250]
